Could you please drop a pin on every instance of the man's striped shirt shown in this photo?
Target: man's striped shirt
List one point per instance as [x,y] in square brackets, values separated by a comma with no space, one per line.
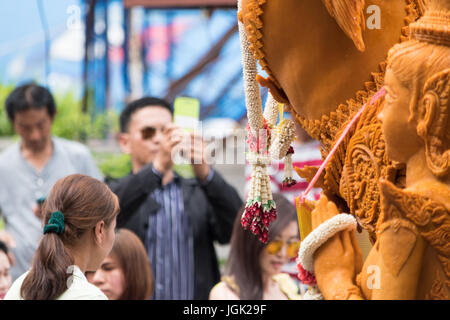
[169,244]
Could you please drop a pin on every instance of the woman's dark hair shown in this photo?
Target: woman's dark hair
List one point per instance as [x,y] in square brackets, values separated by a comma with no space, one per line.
[244,259]
[84,201]
[29,96]
[132,258]
[136,105]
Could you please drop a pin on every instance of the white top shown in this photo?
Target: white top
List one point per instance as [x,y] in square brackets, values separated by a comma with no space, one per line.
[79,289]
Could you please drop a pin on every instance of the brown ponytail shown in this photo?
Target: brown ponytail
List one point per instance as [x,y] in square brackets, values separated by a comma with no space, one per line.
[84,201]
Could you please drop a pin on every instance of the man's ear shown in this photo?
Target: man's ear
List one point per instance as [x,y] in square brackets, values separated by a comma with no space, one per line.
[277,93]
[124,142]
[100,232]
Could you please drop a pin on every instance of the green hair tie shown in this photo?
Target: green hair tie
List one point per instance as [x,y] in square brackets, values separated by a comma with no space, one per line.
[55,224]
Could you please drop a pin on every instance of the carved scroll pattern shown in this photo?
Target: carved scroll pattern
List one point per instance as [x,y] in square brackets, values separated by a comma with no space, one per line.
[433,222]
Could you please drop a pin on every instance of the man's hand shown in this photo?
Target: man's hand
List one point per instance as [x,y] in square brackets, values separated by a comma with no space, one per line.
[337,261]
[195,147]
[163,160]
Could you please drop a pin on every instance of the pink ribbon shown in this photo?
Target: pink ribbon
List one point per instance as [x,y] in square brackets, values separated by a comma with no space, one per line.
[375,97]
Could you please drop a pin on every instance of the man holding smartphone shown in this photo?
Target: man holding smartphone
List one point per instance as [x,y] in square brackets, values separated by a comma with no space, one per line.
[177,219]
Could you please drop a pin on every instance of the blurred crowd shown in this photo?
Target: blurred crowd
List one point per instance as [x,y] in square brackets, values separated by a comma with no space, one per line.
[68,234]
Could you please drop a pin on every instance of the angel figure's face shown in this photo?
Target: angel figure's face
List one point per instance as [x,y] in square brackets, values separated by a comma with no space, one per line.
[399,132]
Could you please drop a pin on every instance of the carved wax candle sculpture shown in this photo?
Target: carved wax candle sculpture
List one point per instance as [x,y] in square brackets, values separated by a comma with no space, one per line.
[324,62]
[319,55]
[411,256]
[414,227]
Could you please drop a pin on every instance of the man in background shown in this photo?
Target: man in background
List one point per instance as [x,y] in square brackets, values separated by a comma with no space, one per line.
[30,167]
[177,219]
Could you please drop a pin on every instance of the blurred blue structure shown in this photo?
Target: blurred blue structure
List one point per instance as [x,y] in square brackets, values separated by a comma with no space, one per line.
[130,53]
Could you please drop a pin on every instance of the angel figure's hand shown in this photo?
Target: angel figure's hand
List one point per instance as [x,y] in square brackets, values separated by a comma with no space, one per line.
[337,261]
[323,211]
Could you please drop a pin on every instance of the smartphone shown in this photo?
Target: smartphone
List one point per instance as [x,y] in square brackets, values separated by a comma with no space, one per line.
[186,115]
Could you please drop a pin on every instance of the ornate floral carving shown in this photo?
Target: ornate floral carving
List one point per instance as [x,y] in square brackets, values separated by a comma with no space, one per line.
[438,290]
[432,219]
[437,133]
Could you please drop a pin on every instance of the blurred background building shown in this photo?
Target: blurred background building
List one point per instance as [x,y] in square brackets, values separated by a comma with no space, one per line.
[106,52]
[96,55]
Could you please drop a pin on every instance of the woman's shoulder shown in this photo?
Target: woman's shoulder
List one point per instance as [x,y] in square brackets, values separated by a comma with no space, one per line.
[222,291]
[80,289]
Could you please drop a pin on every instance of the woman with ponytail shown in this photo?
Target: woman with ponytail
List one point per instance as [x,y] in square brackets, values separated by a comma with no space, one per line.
[80,217]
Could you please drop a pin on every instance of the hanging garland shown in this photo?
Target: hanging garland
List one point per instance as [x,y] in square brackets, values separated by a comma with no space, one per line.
[265,140]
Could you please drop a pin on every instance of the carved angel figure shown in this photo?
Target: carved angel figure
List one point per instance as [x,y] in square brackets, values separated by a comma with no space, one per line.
[411,256]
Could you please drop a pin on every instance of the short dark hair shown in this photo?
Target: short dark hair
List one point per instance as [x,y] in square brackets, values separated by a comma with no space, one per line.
[29,96]
[136,105]
[3,247]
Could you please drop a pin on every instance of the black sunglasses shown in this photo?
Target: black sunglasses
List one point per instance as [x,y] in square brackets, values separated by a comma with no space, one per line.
[148,133]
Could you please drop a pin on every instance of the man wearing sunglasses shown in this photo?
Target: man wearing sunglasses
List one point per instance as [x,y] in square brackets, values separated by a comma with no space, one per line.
[177,219]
